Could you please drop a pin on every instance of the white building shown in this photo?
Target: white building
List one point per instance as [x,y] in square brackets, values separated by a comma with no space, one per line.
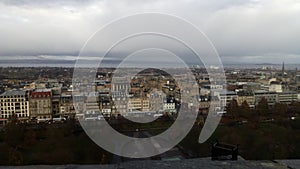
[287,97]
[225,96]
[14,102]
[275,88]
[169,105]
[271,97]
[141,104]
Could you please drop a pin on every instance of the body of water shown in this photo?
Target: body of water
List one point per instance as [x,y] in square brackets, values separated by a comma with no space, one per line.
[72,63]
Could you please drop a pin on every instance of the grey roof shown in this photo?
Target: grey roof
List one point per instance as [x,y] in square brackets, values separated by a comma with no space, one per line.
[263,92]
[43,90]
[14,93]
[288,92]
[245,93]
[227,93]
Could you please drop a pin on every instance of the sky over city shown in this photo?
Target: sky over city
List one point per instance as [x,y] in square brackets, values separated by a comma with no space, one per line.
[242,31]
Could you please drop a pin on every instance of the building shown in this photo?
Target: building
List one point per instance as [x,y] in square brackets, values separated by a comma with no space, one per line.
[55,105]
[250,86]
[140,104]
[14,102]
[287,97]
[119,92]
[297,78]
[40,104]
[271,97]
[225,97]
[120,84]
[275,87]
[91,104]
[156,100]
[169,105]
[120,102]
[105,106]
[247,96]
[204,104]
[78,102]
[66,106]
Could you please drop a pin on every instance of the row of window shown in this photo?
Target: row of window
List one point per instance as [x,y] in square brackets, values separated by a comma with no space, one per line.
[16,96]
[13,100]
[11,104]
[41,102]
[39,96]
[40,112]
[12,108]
[10,111]
[10,115]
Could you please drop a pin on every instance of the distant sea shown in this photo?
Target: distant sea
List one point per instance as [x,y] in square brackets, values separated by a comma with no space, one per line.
[72,63]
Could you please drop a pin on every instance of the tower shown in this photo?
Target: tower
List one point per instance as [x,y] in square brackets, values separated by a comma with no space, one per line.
[283,68]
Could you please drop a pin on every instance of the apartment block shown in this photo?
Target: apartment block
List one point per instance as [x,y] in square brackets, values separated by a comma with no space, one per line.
[40,104]
[141,104]
[14,102]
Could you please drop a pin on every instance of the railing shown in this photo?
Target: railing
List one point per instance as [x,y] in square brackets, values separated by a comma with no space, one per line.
[220,150]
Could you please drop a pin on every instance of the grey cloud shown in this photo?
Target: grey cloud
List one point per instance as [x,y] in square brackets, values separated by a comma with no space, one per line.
[238,28]
[46,3]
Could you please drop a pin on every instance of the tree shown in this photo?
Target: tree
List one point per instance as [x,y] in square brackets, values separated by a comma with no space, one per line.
[233,109]
[295,107]
[280,109]
[262,107]
[245,110]
[15,157]
[14,132]
[29,138]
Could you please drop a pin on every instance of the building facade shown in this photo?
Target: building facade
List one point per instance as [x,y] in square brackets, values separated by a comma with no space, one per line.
[66,107]
[271,97]
[14,102]
[247,96]
[169,105]
[140,104]
[105,106]
[40,104]
[287,97]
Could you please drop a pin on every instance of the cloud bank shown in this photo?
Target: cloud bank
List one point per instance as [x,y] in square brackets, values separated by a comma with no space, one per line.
[241,30]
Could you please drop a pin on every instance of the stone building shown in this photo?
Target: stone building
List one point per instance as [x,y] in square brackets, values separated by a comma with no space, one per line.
[40,104]
[140,104]
[14,102]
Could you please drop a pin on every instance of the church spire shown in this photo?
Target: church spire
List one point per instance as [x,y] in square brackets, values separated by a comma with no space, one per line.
[283,69]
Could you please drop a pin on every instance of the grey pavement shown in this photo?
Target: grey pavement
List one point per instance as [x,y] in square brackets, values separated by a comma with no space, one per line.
[203,163]
[295,164]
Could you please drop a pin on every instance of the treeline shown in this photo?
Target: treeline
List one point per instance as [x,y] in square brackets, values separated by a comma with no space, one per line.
[277,139]
[262,141]
[66,143]
[262,110]
[262,133]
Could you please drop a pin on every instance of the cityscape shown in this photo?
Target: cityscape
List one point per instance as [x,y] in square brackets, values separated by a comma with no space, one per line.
[46,99]
[119,84]
[41,100]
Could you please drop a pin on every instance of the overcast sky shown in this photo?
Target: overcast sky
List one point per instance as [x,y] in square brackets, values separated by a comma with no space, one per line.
[254,31]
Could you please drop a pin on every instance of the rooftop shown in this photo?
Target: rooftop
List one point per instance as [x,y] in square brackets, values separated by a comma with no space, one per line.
[204,163]
[263,92]
[14,93]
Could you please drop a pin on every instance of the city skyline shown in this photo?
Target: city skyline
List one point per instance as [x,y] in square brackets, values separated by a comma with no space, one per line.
[149,84]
